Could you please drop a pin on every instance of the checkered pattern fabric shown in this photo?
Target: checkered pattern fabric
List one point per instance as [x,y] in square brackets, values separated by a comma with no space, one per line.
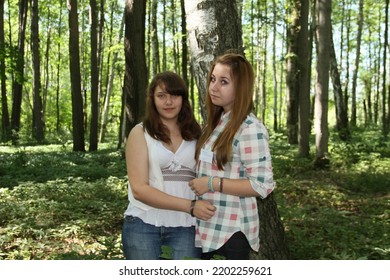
[251,160]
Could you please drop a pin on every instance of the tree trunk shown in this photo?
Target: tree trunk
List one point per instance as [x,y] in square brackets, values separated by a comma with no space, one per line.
[211,33]
[75,79]
[18,81]
[292,76]
[110,83]
[357,60]
[341,112]
[303,78]
[38,126]
[273,245]
[5,123]
[94,125]
[184,47]
[154,36]
[385,119]
[324,8]
[135,80]
[274,71]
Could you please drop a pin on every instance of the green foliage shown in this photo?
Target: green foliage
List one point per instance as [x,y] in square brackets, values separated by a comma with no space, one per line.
[57,204]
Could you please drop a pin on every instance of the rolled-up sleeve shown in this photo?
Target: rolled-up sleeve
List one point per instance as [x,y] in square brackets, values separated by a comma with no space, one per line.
[255,157]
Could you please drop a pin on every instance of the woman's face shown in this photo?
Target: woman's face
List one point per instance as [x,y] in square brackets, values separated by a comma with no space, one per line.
[168,106]
[221,87]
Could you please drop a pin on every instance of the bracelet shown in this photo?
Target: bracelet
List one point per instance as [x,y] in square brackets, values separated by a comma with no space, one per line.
[220,184]
[192,207]
[210,183]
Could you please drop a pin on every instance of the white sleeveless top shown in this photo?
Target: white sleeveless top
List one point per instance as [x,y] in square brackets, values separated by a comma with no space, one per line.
[177,170]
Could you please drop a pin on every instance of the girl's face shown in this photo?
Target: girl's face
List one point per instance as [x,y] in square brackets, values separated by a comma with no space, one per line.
[168,106]
[221,87]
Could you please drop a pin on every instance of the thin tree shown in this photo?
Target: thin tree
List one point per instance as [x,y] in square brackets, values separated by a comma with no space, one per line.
[19,69]
[38,125]
[341,111]
[75,78]
[303,80]
[324,9]
[5,122]
[292,74]
[385,118]
[357,62]
[94,125]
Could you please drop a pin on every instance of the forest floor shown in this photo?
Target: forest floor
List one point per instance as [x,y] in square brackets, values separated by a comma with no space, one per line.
[57,204]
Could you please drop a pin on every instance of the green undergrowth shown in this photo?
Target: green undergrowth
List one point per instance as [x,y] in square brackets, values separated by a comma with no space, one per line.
[57,204]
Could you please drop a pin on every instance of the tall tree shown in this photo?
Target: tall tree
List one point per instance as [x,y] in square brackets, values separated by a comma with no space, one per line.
[341,111]
[135,81]
[5,123]
[211,33]
[184,47]
[303,86]
[75,78]
[38,125]
[324,9]
[385,119]
[357,62]
[19,69]
[94,125]
[292,73]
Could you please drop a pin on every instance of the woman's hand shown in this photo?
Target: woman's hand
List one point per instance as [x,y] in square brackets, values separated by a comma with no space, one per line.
[199,185]
[204,210]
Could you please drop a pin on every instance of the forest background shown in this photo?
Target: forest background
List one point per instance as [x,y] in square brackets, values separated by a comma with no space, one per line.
[330,150]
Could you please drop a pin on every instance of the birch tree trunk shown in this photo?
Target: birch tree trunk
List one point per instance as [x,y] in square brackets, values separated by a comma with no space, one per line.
[357,60]
[213,27]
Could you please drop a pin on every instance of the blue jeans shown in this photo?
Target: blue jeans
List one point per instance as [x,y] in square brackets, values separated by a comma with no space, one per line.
[143,241]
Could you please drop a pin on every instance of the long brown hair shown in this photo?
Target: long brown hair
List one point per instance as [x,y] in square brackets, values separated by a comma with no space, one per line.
[153,124]
[242,74]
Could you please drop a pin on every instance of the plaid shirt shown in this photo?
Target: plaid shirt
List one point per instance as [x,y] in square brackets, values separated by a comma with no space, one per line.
[251,159]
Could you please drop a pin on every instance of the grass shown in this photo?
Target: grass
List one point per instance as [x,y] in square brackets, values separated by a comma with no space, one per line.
[57,204]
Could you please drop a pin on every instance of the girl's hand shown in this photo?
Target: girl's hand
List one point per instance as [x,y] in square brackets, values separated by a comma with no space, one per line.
[199,185]
[204,210]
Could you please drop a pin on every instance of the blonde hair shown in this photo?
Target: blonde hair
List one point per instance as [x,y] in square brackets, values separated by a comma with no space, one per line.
[242,74]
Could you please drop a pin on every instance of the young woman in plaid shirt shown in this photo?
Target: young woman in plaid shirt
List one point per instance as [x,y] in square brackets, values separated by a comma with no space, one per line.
[234,162]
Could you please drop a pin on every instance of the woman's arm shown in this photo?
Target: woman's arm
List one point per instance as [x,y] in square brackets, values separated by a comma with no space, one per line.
[137,163]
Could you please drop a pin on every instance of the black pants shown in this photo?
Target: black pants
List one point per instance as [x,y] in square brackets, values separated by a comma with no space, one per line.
[236,248]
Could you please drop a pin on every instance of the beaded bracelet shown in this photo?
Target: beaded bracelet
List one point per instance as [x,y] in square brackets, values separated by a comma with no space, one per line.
[210,183]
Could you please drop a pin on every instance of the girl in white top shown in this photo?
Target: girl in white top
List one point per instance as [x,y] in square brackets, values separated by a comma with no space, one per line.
[160,163]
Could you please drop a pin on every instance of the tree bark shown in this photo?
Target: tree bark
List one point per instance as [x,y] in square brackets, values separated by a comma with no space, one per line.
[135,80]
[357,60]
[292,76]
[324,8]
[94,125]
[38,125]
[75,78]
[213,27]
[341,112]
[18,81]
[5,122]
[303,78]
